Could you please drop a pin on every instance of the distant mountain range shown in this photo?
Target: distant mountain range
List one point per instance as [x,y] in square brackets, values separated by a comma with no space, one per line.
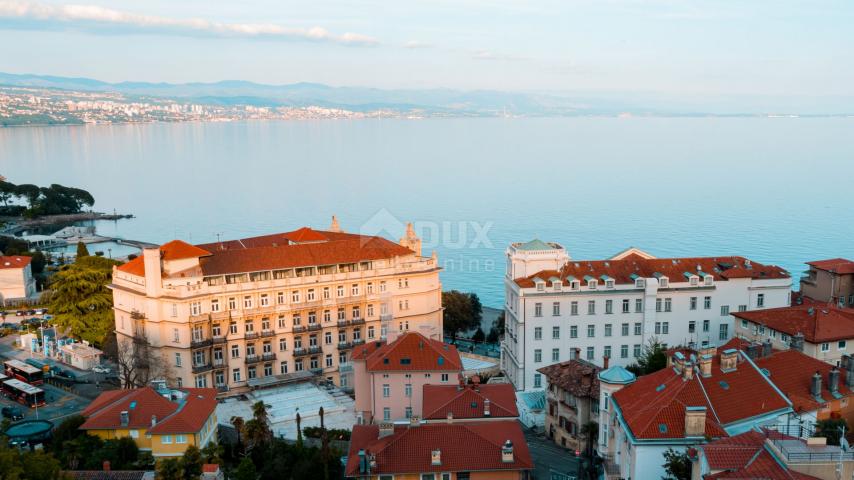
[447,101]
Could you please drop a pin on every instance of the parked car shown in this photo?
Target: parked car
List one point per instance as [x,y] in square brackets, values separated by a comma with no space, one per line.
[101,369]
[19,313]
[12,413]
[40,311]
[68,374]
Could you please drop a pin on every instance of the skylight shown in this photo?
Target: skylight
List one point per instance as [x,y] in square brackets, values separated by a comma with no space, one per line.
[660,388]
[724,385]
[662,427]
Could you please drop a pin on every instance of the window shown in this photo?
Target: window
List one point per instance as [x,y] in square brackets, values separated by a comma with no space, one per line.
[657,304]
[591,331]
[607,351]
[327,338]
[265,299]
[607,329]
[235,351]
[665,328]
[658,328]
[166,439]
[386,390]
[556,309]
[538,380]
[386,414]
[407,390]
[176,337]
[444,377]
[538,333]
[744,324]
[841,345]
[637,328]
[626,305]
[724,310]
[639,283]
[232,303]
[609,306]
[339,290]
[247,301]
[556,333]
[177,359]
[235,375]
[591,353]
[825,347]
[760,300]
[592,284]
[538,356]
[283,367]
[538,309]
[591,307]
[742,308]
[573,331]
[663,282]
[382,286]
[693,303]
[724,331]
[624,351]
[668,304]
[295,296]
[408,412]
[693,280]
[692,326]
[624,330]
[280,298]
[354,289]
[706,325]
[573,308]
[214,305]
[174,310]
[636,351]
[555,354]
[638,305]
[609,283]
[707,303]
[371,333]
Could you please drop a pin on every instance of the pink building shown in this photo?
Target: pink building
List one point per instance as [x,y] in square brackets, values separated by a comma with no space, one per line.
[389,377]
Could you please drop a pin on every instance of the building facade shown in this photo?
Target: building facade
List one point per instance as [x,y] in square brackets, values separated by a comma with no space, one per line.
[16,278]
[612,308]
[235,313]
[830,281]
[573,402]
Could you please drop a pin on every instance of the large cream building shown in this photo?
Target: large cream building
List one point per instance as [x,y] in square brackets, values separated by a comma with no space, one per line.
[254,311]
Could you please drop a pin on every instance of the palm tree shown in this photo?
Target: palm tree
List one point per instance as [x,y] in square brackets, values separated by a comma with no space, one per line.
[240,426]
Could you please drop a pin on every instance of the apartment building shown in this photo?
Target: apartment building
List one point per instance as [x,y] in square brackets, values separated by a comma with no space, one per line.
[830,281]
[612,308]
[573,402]
[240,313]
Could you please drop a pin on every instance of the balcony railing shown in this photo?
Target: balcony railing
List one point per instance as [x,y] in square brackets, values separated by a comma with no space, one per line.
[300,351]
[345,367]
[268,333]
[267,357]
[203,367]
[220,364]
[201,343]
[358,341]
[316,371]
[218,340]
[314,326]
[314,350]
[357,321]
[345,345]
[343,323]
[222,388]
[250,335]
[299,328]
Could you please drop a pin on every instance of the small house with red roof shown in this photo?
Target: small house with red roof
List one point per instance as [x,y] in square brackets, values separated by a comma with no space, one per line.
[16,278]
[389,377]
[160,420]
[830,281]
[439,451]
[469,402]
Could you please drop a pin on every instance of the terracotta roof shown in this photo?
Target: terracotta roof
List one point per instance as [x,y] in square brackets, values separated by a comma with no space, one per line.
[818,323]
[623,270]
[654,406]
[468,401]
[210,468]
[578,377]
[834,265]
[792,372]
[469,447]
[14,261]
[299,248]
[410,351]
[746,456]
[185,416]
[110,475]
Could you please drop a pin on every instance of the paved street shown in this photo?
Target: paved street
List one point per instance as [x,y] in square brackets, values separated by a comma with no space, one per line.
[549,457]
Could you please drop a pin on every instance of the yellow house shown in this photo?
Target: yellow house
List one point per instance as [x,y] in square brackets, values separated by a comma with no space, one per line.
[163,421]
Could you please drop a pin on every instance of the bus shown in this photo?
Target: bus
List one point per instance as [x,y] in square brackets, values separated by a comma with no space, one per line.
[22,371]
[24,393]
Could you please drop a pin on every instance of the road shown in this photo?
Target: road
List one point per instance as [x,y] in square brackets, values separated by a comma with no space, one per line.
[549,457]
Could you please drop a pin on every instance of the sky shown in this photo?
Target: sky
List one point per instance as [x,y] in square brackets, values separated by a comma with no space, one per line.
[778,47]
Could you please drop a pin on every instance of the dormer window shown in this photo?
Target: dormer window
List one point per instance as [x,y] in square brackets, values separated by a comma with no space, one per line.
[592,283]
[663,282]
[541,285]
[556,284]
[694,280]
[574,285]
[640,283]
[708,280]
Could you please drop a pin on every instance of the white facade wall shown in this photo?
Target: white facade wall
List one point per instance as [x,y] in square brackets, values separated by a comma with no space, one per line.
[16,283]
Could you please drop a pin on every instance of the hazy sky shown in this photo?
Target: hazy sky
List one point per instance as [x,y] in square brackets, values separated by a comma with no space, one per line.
[777,47]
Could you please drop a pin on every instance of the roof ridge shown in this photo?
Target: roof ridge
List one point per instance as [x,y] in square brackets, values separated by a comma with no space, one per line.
[120,399]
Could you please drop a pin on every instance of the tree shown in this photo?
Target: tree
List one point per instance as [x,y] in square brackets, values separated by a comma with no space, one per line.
[831,429]
[653,359]
[246,470]
[137,366]
[82,251]
[169,469]
[496,330]
[39,465]
[10,463]
[677,465]
[590,432]
[478,336]
[240,427]
[82,303]
[191,463]
[463,312]
[213,453]
[8,191]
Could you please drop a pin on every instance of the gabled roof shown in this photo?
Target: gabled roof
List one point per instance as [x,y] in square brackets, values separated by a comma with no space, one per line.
[623,269]
[654,406]
[817,323]
[792,372]
[746,456]
[179,249]
[185,416]
[468,401]
[835,265]
[14,261]
[305,234]
[469,447]
[409,352]
[578,377]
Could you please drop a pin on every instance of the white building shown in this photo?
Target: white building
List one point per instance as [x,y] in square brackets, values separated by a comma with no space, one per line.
[16,278]
[555,305]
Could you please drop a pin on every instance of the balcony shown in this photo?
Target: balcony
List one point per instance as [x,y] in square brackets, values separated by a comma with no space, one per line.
[345,345]
[345,367]
[357,321]
[314,327]
[299,328]
[358,341]
[251,335]
[218,340]
[316,371]
[300,351]
[219,364]
[268,333]
[202,368]
[267,357]
[201,343]
[314,350]
[222,388]
[343,323]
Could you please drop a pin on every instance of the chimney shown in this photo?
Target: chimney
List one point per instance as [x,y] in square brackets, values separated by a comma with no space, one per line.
[106,465]
[706,365]
[436,457]
[507,452]
[386,429]
[153,271]
[450,417]
[797,342]
[815,386]
[708,350]
[833,381]
[335,227]
[153,420]
[678,362]
[124,418]
[486,403]
[695,421]
[605,360]
[729,360]
[753,351]
[363,461]
[688,371]
[766,348]
[414,421]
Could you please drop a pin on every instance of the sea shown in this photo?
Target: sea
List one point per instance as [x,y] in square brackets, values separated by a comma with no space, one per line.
[777,190]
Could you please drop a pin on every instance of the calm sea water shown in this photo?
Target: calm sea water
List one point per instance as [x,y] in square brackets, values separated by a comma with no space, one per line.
[778,190]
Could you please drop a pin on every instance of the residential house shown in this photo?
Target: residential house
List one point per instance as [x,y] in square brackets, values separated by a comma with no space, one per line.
[389,377]
[573,401]
[830,281]
[469,402]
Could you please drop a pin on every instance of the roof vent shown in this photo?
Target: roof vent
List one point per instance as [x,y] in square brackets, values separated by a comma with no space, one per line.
[507,452]
[436,457]
[660,388]
[662,427]
[124,418]
[724,385]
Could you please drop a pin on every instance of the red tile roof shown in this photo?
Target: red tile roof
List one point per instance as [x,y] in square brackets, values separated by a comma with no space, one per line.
[579,377]
[300,248]
[792,372]
[834,265]
[722,268]
[654,406]
[14,261]
[185,416]
[464,447]
[745,456]
[410,351]
[818,323]
[468,401]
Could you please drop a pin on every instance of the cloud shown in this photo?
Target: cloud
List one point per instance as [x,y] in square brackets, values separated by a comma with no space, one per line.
[91,17]
[414,44]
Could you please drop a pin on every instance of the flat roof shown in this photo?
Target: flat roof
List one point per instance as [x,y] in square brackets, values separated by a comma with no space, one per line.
[23,386]
[24,367]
